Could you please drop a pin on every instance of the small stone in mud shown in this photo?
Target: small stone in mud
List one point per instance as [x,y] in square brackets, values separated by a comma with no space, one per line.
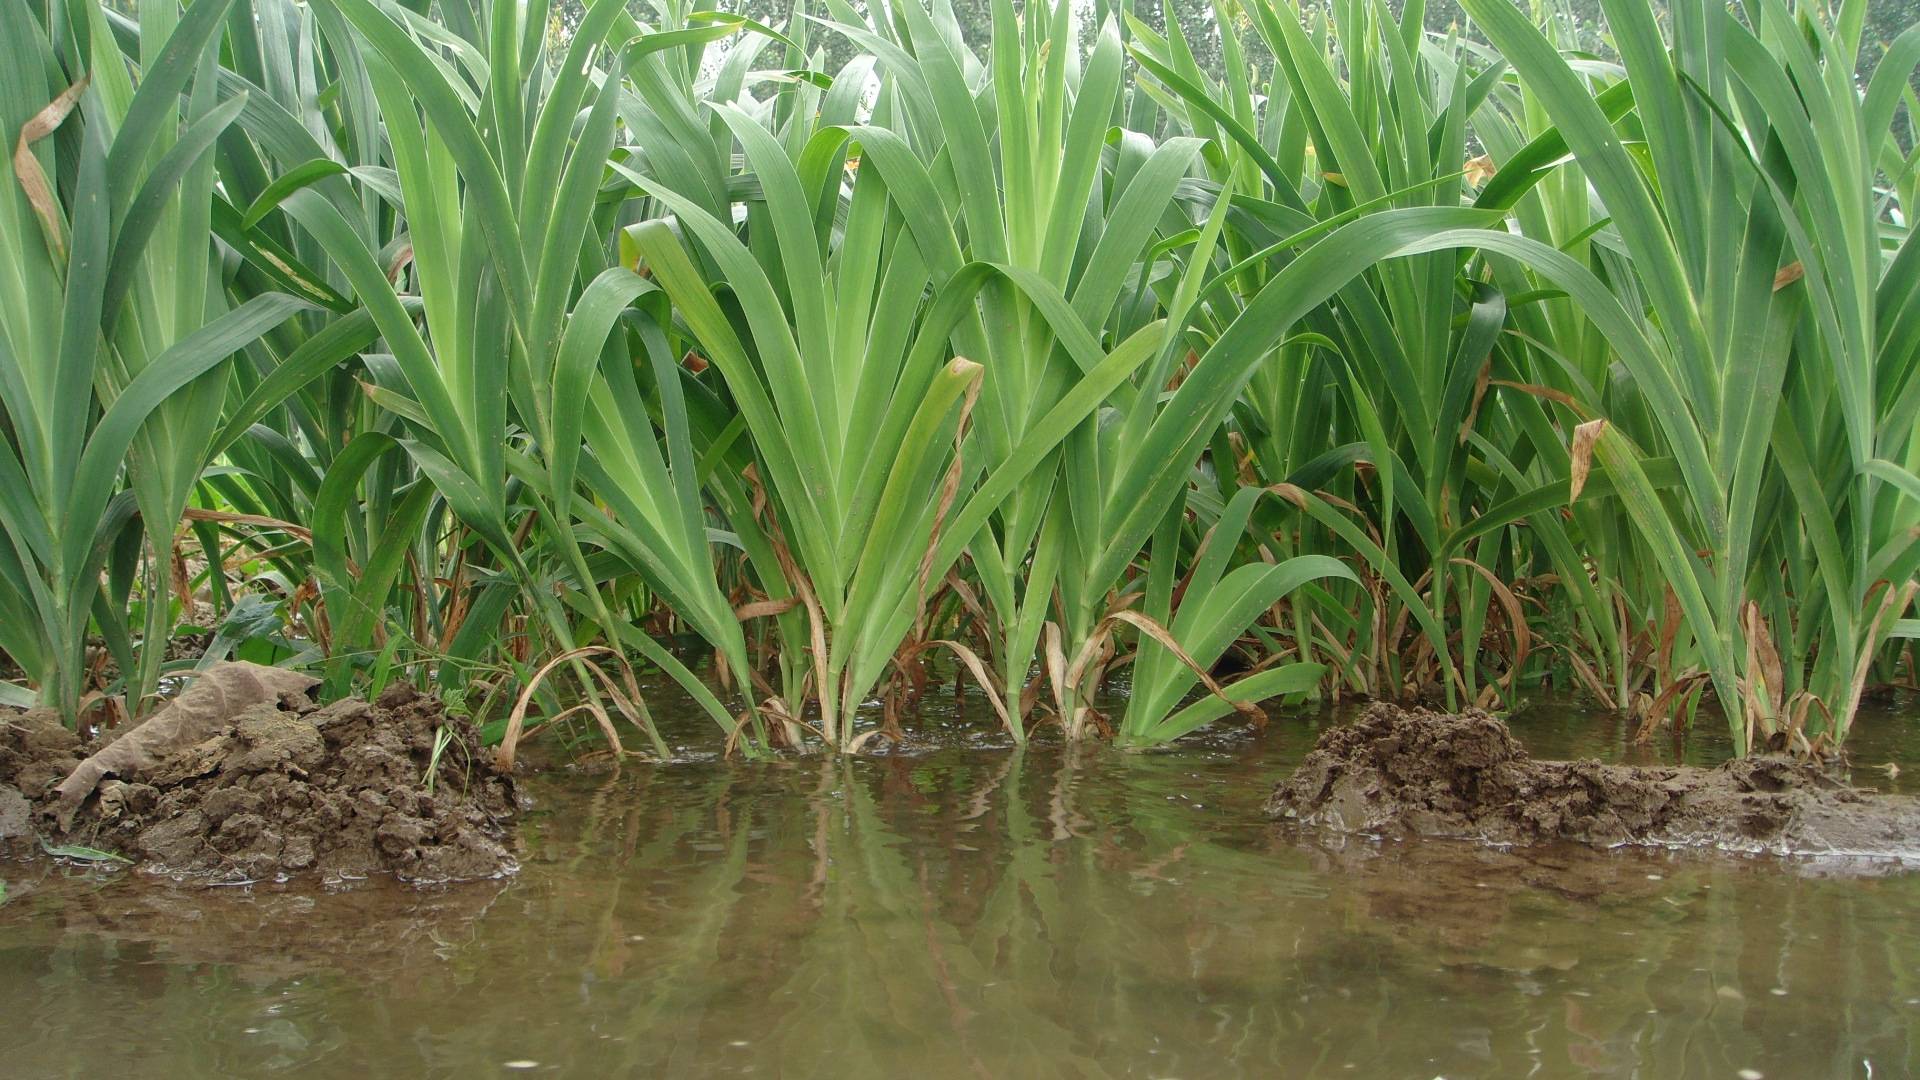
[15,814]
[1398,772]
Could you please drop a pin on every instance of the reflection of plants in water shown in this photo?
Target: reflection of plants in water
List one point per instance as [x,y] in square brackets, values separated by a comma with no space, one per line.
[1058,911]
[660,920]
[1072,911]
[976,904]
[880,965]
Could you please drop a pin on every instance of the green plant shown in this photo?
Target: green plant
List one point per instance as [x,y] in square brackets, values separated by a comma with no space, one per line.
[116,326]
[1378,361]
[850,413]
[1755,263]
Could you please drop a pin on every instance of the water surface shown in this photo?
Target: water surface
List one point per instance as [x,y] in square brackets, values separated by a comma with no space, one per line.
[972,912]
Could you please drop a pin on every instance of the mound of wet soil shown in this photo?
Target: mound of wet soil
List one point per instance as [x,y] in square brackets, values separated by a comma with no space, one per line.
[273,787]
[1398,772]
[36,752]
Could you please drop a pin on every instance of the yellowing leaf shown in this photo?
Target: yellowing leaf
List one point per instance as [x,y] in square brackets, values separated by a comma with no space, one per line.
[1584,438]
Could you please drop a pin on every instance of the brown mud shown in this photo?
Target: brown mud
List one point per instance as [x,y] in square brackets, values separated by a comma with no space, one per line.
[1410,772]
[274,787]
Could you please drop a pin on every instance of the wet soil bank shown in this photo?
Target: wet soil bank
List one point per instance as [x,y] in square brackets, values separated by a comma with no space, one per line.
[243,777]
[1399,773]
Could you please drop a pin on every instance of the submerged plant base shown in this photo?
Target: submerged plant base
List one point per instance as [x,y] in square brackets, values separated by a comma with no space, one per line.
[279,787]
[1411,772]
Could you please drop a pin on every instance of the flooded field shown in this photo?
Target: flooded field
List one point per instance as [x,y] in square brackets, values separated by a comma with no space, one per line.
[967,911]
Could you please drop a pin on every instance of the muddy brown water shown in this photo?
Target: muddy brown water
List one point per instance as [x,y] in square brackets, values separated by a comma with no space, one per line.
[967,911]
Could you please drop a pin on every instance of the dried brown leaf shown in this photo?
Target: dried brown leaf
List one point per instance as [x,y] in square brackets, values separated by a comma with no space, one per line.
[32,178]
[1584,438]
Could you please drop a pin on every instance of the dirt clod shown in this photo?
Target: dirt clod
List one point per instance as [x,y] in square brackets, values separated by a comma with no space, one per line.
[202,709]
[1398,773]
[278,787]
[36,751]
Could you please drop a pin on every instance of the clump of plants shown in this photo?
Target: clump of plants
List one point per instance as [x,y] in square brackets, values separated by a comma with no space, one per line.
[512,350]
